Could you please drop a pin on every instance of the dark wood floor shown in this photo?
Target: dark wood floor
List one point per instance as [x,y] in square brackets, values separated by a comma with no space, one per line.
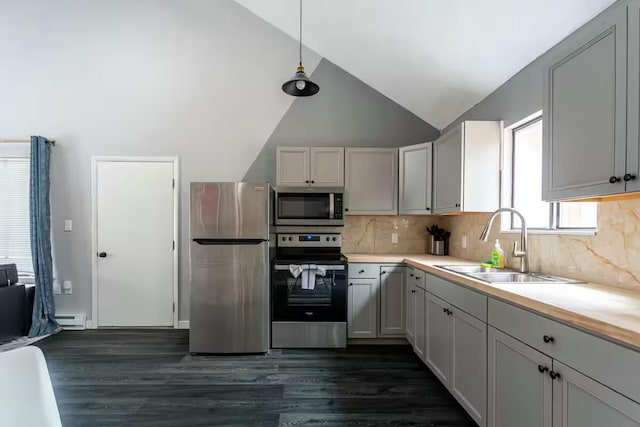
[140,378]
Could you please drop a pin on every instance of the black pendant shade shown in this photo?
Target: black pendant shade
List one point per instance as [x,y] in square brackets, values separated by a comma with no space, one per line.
[300,85]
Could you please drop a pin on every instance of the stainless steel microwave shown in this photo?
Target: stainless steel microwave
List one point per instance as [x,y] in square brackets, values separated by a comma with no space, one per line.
[309,207]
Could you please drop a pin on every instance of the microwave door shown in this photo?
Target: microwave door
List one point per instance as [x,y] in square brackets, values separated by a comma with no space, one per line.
[309,206]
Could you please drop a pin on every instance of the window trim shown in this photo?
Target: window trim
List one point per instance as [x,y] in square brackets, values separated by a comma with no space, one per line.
[507,183]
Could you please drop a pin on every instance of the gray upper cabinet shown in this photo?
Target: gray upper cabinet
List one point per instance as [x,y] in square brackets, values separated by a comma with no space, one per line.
[327,167]
[292,167]
[580,401]
[632,174]
[466,168]
[371,181]
[416,173]
[520,388]
[310,167]
[585,111]
[392,302]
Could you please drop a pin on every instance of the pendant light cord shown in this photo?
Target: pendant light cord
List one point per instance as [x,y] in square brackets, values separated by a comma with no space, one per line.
[300,53]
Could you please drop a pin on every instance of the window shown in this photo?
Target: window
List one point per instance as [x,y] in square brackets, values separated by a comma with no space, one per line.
[523,179]
[15,243]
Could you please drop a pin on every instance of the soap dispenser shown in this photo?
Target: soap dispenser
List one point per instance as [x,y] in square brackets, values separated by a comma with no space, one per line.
[497,255]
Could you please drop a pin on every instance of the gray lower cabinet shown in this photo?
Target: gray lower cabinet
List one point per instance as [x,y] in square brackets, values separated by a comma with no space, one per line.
[580,401]
[419,343]
[520,389]
[438,336]
[362,308]
[469,364]
[410,321]
[392,301]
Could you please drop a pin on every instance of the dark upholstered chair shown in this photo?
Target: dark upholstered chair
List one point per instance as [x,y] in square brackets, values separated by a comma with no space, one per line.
[16,304]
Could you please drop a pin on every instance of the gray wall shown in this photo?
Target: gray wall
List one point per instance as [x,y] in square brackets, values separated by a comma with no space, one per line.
[346,112]
[197,79]
[518,97]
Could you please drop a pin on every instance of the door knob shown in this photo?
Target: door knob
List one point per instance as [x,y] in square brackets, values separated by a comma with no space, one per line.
[628,177]
[614,179]
[102,254]
[542,369]
[547,339]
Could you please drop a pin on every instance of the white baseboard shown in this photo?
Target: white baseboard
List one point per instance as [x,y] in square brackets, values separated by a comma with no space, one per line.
[91,324]
[183,324]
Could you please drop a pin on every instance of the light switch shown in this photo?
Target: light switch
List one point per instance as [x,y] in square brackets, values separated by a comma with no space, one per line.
[68,225]
[56,287]
[67,287]
[394,237]
[464,241]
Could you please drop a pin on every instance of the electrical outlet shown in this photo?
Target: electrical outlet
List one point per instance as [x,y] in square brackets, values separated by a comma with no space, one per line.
[68,225]
[464,241]
[67,287]
[394,237]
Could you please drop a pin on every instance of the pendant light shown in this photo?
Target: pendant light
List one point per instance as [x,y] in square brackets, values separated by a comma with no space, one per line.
[300,84]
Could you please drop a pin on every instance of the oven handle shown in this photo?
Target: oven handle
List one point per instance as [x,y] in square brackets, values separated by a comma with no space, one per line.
[285,267]
[331,207]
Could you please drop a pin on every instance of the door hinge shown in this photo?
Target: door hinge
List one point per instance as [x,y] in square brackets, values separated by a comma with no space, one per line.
[173,183]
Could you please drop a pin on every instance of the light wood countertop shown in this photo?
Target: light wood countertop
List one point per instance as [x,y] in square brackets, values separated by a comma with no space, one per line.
[603,310]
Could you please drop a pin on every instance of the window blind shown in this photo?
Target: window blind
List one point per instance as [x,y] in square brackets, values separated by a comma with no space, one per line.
[15,243]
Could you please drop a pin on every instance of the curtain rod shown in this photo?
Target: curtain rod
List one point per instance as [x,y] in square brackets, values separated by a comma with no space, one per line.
[53,142]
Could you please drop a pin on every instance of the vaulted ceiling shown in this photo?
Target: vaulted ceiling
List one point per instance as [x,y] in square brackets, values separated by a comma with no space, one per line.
[437,58]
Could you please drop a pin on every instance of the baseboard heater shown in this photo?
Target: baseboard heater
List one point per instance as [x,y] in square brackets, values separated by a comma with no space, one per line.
[74,322]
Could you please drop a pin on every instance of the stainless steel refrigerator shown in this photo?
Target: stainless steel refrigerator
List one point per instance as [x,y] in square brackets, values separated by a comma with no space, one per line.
[229,262]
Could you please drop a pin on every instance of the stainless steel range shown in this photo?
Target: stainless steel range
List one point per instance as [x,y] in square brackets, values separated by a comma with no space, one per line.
[308,292]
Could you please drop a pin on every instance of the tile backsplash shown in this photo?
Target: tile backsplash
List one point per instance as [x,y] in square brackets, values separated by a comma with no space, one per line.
[611,257]
[372,234]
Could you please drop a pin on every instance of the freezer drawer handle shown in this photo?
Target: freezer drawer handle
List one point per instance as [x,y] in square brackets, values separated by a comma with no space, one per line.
[220,242]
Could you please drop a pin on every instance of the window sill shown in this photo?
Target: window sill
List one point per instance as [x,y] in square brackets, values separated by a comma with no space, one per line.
[566,232]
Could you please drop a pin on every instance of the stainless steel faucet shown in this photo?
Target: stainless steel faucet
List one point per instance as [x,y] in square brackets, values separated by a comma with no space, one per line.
[522,253]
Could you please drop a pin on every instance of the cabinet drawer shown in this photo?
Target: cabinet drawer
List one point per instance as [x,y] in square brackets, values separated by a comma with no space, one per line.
[417,277]
[465,299]
[364,271]
[610,364]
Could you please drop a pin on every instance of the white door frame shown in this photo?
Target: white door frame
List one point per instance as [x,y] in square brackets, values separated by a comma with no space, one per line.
[93,324]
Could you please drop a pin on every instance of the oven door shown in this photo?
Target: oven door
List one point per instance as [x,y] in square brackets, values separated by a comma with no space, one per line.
[326,302]
[307,208]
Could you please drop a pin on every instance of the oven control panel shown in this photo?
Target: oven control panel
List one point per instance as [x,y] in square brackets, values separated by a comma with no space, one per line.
[311,240]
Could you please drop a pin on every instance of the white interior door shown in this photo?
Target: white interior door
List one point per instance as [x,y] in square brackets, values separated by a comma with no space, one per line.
[134,214]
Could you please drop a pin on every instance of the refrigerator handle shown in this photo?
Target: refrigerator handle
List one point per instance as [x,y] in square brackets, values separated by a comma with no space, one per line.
[211,242]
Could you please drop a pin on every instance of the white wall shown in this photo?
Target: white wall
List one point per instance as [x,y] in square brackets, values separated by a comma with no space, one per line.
[199,79]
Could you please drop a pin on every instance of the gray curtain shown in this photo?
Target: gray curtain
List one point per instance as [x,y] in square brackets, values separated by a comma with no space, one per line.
[43,317]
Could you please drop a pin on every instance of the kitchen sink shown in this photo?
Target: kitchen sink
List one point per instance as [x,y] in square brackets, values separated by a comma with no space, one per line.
[469,269]
[494,275]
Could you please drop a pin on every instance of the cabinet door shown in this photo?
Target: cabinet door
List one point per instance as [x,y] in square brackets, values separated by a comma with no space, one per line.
[420,344]
[633,93]
[469,364]
[362,309]
[581,401]
[585,90]
[438,336]
[519,391]
[410,322]
[416,173]
[327,167]
[292,165]
[371,181]
[392,302]
[447,172]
